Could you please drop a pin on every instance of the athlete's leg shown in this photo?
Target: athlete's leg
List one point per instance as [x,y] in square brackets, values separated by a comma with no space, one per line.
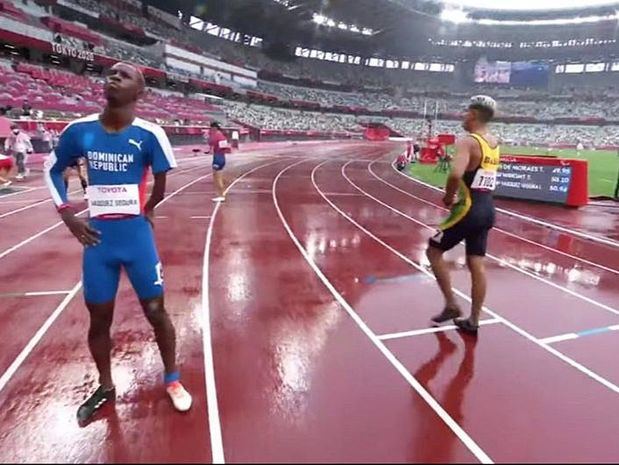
[81,171]
[219,183]
[99,340]
[101,275]
[476,244]
[443,277]
[4,175]
[145,273]
[477,268]
[165,334]
[219,162]
[66,175]
[21,167]
[440,243]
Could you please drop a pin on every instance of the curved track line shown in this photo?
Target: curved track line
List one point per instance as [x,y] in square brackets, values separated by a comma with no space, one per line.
[502,231]
[493,257]
[214,421]
[586,371]
[416,385]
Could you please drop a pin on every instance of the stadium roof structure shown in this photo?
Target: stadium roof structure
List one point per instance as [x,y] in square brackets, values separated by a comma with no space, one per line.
[419,28]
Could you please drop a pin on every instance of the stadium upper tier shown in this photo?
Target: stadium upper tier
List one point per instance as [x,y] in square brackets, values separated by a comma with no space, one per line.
[516,103]
[63,95]
[106,27]
[58,93]
[265,117]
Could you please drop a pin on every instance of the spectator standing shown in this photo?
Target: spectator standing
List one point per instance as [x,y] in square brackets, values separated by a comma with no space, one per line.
[19,145]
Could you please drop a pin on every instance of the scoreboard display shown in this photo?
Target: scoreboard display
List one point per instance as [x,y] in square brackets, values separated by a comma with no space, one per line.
[533,181]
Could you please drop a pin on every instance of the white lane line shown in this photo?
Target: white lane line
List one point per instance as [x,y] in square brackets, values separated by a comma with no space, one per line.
[26,189]
[199,217]
[17,202]
[344,194]
[33,294]
[502,231]
[559,338]
[573,232]
[14,366]
[587,332]
[28,207]
[586,371]
[423,393]
[214,420]
[492,257]
[419,332]
[35,236]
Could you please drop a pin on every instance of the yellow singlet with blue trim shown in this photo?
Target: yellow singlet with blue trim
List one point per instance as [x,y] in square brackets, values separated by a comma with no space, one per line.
[477,185]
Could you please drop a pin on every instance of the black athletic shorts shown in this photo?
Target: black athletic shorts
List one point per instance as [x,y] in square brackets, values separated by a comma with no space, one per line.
[472,228]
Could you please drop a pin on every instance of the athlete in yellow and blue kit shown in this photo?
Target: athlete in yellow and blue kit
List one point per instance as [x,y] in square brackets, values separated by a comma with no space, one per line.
[468,194]
[120,150]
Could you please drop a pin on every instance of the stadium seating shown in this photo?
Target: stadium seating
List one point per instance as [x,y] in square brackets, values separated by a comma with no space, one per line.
[311,106]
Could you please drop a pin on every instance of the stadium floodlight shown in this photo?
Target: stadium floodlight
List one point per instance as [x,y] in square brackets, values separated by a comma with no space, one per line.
[550,22]
[319,19]
[454,15]
[330,23]
[530,4]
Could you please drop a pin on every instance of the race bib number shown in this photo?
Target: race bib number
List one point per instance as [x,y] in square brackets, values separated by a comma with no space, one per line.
[122,199]
[484,179]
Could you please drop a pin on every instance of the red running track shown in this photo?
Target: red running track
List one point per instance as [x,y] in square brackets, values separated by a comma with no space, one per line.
[307,339]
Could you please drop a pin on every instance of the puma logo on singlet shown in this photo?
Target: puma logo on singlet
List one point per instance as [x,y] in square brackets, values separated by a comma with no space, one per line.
[137,144]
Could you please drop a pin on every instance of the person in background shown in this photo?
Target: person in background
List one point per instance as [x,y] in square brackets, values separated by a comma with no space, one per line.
[409,150]
[19,145]
[46,137]
[235,139]
[443,160]
[219,146]
[6,164]
[401,162]
[416,150]
[55,138]
[26,108]
[579,148]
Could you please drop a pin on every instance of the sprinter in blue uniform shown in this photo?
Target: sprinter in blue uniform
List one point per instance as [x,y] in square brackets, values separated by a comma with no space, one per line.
[120,150]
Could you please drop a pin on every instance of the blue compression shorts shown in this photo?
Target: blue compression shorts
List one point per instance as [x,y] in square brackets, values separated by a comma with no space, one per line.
[219,161]
[126,243]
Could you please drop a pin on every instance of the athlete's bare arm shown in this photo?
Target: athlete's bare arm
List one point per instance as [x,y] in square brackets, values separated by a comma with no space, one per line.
[156,195]
[460,163]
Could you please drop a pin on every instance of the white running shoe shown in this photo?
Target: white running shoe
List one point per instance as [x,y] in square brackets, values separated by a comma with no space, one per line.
[19,177]
[179,396]
[219,199]
[7,184]
[85,196]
